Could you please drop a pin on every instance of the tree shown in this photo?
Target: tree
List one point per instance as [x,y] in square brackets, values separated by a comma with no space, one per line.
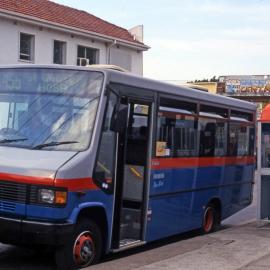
[213,79]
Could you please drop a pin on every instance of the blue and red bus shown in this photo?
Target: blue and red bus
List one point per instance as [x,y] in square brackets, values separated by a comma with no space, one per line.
[94,160]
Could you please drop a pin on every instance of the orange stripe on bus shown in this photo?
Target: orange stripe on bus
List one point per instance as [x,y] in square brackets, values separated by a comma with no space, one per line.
[168,163]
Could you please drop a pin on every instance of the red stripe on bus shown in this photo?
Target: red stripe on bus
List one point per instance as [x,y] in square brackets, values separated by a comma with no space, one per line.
[168,163]
[73,184]
[26,179]
[76,184]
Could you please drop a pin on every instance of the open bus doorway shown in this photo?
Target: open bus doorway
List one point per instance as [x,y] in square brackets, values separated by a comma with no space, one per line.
[130,199]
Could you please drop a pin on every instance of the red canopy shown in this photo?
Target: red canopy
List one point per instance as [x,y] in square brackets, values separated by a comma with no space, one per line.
[265,117]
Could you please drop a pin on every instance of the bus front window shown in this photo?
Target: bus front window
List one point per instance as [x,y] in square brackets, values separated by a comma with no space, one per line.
[48,109]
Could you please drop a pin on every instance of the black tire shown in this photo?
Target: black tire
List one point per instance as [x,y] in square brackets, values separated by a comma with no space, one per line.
[86,241]
[211,219]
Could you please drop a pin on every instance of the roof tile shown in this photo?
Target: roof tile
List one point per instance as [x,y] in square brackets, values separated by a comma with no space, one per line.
[60,14]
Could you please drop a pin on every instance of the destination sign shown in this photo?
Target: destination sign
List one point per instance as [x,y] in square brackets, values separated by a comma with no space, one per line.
[50,81]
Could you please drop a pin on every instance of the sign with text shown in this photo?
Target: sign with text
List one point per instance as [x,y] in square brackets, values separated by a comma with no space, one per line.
[257,85]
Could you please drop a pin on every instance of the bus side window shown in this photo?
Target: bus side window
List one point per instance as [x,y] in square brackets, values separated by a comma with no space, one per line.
[241,134]
[241,139]
[213,137]
[176,129]
[207,130]
[104,169]
[213,131]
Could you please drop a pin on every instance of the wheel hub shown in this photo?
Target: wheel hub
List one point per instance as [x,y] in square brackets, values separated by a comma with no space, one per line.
[208,219]
[83,251]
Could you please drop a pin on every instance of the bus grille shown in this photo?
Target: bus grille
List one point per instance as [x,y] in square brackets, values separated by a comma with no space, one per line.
[33,198]
[7,206]
[14,192]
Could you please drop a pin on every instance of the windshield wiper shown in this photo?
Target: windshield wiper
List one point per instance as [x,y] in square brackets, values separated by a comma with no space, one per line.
[43,145]
[12,140]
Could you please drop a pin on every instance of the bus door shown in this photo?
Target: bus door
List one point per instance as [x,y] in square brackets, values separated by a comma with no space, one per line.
[132,174]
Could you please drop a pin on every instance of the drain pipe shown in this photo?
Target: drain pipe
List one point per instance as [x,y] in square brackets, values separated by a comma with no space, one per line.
[109,51]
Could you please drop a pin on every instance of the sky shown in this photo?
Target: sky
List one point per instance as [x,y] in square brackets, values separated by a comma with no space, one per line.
[194,39]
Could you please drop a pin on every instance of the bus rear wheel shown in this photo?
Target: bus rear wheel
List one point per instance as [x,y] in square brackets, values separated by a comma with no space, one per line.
[210,219]
[83,249]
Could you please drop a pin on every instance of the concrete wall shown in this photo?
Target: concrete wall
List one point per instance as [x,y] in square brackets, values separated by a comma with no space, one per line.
[210,86]
[44,37]
[131,60]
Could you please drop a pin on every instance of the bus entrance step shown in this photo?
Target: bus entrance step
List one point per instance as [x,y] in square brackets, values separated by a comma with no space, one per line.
[127,242]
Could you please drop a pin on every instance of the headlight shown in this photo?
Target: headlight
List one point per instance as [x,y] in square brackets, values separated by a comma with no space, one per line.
[49,196]
[46,196]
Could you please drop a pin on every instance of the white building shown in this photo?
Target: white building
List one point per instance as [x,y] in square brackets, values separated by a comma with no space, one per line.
[43,32]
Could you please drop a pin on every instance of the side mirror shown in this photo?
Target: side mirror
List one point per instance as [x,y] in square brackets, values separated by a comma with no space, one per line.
[119,120]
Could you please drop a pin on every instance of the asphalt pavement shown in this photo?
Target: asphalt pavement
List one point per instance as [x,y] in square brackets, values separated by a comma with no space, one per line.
[234,248]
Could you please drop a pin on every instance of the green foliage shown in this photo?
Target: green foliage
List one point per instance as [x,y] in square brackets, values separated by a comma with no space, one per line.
[213,79]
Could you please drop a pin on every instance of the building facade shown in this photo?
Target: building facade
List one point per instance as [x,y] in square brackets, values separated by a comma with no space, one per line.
[43,32]
[211,87]
[253,88]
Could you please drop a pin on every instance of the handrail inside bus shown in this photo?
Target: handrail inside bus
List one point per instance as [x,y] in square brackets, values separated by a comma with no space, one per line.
[167,109]
[239,119]
[211,115]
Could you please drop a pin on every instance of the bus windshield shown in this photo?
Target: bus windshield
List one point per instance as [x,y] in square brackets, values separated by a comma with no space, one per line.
[48,109]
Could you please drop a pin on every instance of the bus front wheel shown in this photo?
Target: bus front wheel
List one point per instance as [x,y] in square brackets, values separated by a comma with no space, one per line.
[210,219]
[83,249]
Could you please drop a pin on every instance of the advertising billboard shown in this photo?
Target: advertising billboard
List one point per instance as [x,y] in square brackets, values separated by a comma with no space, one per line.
[255,85]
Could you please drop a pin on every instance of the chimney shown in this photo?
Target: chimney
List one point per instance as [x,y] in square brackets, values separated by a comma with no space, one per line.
[137,32]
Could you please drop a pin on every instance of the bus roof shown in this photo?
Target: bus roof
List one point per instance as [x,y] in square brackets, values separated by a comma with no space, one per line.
[181,91]
[130,79]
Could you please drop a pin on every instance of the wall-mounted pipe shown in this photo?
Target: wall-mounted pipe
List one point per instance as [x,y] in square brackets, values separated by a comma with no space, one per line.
[109,51]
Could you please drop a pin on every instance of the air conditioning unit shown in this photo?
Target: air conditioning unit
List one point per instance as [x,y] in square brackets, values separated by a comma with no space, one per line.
[82,62]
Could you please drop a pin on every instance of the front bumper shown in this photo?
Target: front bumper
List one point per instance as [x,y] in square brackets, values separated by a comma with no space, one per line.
[20,231]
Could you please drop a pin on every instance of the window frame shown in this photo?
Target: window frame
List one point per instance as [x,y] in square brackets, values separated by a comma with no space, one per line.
[222,115]
[197,115]
[243,113]
[97,55]
[32,48]
[191,114]
[245,124]
[64,52]
[109,189]
[218,120]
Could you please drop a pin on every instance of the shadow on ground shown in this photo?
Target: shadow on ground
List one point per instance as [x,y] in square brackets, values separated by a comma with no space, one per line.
[157,244]
[16,258]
